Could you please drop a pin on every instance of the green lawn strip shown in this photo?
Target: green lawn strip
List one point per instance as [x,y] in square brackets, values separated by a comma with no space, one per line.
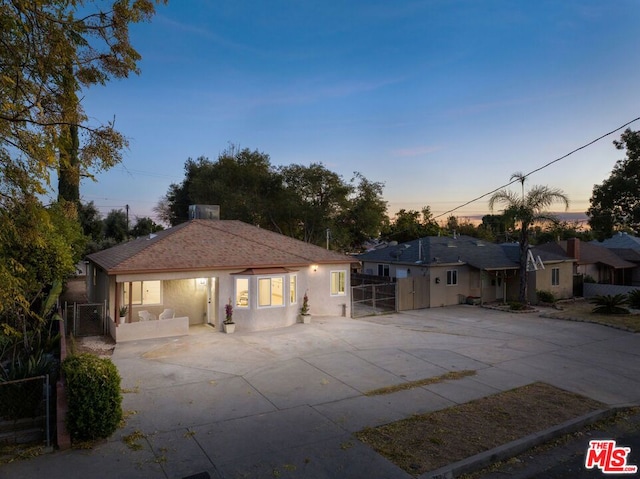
[425,442]
[452,375]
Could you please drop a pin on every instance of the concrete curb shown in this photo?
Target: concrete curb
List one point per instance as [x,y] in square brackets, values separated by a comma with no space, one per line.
[518,446]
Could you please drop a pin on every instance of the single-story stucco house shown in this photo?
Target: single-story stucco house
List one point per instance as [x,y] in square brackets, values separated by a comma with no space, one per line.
[602,264]
[448,270]
[187,274]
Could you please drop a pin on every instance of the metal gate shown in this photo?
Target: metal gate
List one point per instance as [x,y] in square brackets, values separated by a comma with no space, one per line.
[413,293]
[86,319]
[372,299]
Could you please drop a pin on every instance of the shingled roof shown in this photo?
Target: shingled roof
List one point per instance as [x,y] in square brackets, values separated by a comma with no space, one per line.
[433,250]
[590,253]
[200,245]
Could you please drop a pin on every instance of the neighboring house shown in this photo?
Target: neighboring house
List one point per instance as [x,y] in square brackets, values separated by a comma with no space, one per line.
[441,271]
[189,272]
[602,264]
[627,247]
[551,271]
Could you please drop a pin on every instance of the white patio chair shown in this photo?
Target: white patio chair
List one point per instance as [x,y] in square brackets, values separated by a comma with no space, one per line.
[167,314]
[145,315]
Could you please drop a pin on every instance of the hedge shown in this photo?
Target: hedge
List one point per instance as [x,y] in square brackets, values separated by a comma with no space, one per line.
[94,397]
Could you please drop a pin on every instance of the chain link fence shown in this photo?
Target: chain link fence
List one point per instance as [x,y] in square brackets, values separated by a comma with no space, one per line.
[86,319]
[25,411]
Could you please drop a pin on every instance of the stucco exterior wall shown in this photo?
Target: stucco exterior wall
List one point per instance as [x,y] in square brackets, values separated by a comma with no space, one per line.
[543,281]
[161,328]
[443,294]
[184,293]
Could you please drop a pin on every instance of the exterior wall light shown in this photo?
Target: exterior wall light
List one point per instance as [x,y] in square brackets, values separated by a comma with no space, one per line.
[314,267]
[437,280]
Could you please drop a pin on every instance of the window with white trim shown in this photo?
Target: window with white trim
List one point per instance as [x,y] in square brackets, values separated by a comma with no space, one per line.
[383,270]
[271,291]
[452,277]
[555,277]
[242,293]
[338,283]
[142,292]
[293,289]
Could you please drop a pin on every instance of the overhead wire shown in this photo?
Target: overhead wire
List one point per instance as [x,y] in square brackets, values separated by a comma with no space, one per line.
[520,178]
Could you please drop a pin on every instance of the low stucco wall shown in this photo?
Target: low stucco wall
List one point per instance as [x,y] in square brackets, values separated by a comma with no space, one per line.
[160,328]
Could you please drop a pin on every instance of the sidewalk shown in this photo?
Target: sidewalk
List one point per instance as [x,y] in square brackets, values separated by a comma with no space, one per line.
[285,403]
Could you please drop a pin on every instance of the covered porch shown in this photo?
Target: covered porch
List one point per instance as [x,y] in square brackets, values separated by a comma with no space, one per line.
[162,307]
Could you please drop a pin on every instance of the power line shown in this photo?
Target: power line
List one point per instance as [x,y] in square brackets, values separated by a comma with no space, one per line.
[537,169]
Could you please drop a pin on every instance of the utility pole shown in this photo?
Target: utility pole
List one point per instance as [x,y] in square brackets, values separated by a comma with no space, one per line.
[328,238]
[126,207]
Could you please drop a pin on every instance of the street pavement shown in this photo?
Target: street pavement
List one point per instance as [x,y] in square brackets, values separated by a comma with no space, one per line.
[284,403]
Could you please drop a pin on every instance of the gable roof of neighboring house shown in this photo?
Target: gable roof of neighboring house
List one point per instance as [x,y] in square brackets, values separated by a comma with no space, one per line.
[212,244]
[435,250]
[547,255]
[628,254]
[590,253]
[621,241]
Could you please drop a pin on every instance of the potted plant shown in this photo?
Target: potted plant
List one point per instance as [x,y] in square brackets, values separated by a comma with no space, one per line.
[305,316]
[123,313]
[228,324]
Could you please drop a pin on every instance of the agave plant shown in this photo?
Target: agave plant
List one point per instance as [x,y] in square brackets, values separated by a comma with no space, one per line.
[633,298]
[610,304]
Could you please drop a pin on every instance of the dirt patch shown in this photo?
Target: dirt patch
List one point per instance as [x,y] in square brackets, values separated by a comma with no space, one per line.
[580,310]
[101,346]
[426,442]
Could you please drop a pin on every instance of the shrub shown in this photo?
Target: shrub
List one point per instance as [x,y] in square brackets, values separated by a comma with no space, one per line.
[610,304]
[589,279]
[545,296]
[517,305]
[94,398]
[25,399]
[634,298]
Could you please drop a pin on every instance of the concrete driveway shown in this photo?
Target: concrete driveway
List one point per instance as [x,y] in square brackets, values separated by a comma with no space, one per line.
[284,403]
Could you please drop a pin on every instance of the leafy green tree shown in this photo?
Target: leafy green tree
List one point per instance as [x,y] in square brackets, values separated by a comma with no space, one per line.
[304,202]
[615,204]
[90,221]
[561,230]
[115,226]
[243,182]
[501,226]
[410,225]
[365,215]
[40,247]
[145,226]
[528,208]
[321,198]
[50,50]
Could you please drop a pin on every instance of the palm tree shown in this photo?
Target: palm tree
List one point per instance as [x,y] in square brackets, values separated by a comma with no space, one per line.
[528,209]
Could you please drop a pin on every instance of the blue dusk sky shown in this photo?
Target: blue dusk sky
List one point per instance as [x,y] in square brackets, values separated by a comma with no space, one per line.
[441,100]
